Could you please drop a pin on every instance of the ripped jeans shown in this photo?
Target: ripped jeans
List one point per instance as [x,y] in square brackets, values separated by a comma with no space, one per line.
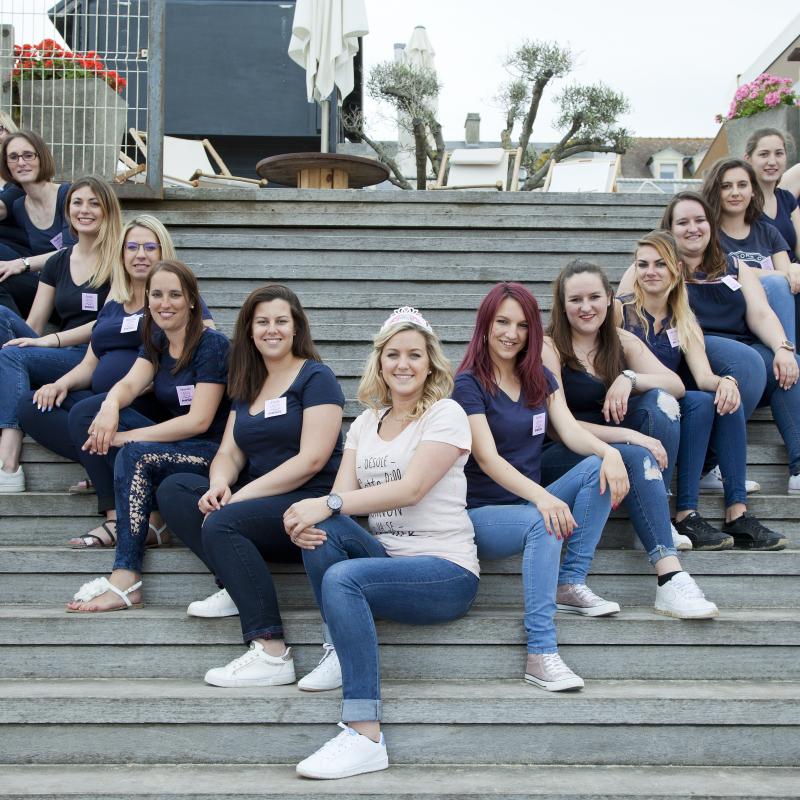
[654,413]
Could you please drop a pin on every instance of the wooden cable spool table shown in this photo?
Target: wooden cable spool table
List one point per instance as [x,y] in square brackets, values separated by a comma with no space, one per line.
[322,170]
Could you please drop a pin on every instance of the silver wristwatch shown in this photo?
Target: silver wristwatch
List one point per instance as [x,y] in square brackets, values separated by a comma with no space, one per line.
[631,376]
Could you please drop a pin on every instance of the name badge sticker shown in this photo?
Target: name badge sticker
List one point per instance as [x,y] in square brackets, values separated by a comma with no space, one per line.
[672,335]
[732,283]
[58,241]
[88,301]
[539,424]
[275,408]
[185,394]
[130,324]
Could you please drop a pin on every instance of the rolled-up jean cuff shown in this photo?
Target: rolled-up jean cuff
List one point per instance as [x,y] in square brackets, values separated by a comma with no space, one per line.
[538,651]
[361,710]
[659,552]
[273,632]
[12,426]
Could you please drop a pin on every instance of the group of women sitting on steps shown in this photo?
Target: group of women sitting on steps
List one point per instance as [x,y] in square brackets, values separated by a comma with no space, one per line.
[238,450]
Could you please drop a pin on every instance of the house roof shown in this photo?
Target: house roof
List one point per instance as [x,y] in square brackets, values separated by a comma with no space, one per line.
[642,149]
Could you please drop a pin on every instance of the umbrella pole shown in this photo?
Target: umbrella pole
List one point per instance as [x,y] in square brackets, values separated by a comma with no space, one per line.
[326,119]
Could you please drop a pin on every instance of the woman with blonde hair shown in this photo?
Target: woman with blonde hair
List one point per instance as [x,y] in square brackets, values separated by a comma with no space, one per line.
[75,282]
[403,465]
[658,312]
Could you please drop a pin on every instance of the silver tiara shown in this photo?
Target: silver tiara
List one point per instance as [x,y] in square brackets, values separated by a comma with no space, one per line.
[406,314]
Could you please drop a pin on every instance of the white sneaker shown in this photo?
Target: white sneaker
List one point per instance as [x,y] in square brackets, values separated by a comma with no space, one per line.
[548,671]
[681,597]
[578,598]
[347,754]
[11,481]
[711,483]
[218,604]
[794,484]
[254,668]
[679,541]
[326,675]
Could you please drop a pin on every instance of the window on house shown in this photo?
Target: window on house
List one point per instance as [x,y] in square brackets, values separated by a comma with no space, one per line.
[668,170]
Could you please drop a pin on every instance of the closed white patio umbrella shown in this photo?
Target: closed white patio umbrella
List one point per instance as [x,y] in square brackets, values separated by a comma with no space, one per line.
[324,42]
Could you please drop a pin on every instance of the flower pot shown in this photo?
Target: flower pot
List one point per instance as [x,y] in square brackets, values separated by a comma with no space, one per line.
[83,121]
[784,118]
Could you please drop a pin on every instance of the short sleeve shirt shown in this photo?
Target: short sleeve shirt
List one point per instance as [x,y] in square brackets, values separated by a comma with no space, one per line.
[439,524]
[272,435]
[758,247]
[787,203]
[45,240]
[209,364]
[11,234]
[518,432]
[75,304]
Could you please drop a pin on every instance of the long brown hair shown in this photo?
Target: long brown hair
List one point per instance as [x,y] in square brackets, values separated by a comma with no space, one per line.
[712,189]
[714,261]
[248,371]
[194,325]
[609,360]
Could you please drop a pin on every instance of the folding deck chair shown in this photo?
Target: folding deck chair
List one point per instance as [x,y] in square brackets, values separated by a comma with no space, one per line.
[476,168]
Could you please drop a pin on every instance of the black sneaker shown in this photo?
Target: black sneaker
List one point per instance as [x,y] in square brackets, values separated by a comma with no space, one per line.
[704,536]
[749,534]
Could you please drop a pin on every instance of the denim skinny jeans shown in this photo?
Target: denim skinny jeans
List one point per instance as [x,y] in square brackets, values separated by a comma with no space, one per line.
[235,543]
[355,581]
[781,300]
[503,531]
[654,413]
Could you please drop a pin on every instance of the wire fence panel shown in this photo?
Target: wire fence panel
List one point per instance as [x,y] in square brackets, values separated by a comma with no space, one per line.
[77,74]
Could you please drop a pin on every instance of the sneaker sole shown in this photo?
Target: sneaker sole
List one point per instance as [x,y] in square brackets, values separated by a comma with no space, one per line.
[564,685]
[745,543]
[242,683]
[605,610]
[214,615]
[677,615]
[726,544]
[375,766]
[12,489]
[317,688]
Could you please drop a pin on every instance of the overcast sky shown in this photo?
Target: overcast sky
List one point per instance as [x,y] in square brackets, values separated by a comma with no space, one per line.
[676,60]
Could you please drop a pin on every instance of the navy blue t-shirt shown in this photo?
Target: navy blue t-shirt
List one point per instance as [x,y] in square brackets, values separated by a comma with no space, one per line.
[268,441]
[719,306]
[209,364]
[75,305]
[518,433]
[660,345]
[758,247]
[585,394]
[787,203]
[11,235]
[45,240]
[116,339]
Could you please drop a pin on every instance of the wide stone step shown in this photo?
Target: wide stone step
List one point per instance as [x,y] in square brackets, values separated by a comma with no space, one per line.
[483,722]
[161,641]
[450,782]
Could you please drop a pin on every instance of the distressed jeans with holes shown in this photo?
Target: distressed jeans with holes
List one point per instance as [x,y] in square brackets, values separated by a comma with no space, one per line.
[654,413]
[503,531]
[356,582]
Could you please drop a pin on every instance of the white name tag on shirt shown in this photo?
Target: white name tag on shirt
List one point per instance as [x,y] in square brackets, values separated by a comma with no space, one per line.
[130,324]
[539,424]
[275,408]
[88,301]
[672,335]
[58,241]
[185,394]
[732,283]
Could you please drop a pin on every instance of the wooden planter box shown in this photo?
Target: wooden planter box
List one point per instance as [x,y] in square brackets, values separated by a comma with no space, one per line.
[83,121]
[784,118]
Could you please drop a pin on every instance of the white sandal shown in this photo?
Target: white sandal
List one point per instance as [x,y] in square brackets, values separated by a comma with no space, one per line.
[159,542]
[98,586]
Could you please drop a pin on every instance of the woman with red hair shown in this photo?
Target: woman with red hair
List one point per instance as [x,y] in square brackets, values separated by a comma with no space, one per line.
[510,398]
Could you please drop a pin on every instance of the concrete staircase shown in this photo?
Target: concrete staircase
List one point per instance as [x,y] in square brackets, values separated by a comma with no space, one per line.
[113,705]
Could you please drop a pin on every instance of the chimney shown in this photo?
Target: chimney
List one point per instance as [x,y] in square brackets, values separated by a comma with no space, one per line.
[472,130]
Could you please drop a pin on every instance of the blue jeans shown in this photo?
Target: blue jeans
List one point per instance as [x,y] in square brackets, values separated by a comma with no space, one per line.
[16,295]
[22,368]
[235,543]
[353,579]
[782,301]
[646,502]
[503,531]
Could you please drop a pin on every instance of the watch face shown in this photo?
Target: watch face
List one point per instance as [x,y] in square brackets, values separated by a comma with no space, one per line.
[334,502]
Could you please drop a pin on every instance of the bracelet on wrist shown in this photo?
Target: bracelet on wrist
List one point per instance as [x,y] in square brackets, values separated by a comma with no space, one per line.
[730,378]
[58,339]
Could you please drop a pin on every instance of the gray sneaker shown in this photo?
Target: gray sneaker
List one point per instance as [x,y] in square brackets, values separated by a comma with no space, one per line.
[549,672]
[578,598]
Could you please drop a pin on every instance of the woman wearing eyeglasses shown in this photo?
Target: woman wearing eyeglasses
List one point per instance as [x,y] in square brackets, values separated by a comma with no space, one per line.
[40,212]
[116,338]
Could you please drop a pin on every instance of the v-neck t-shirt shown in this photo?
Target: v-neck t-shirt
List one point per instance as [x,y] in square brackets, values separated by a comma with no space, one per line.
[56,236]
[271,436]
[75,304]
[758,247]
[666,350]
[518,431]
[782,221]
[439,524]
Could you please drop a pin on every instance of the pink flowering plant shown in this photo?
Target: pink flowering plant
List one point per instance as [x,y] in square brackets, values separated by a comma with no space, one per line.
[762,94]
